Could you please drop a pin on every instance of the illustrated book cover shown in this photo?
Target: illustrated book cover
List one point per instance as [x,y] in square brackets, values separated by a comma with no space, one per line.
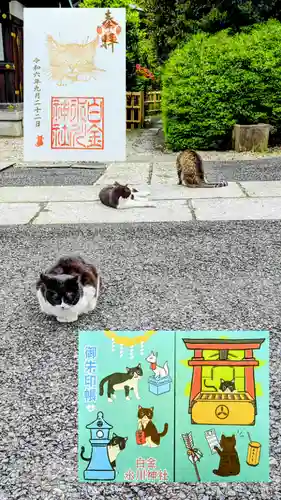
[173,406]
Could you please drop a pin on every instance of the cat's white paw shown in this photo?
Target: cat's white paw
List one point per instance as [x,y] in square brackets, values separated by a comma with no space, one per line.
[137,397]
[128,399]
[114,396]
[110,400]
[70,319]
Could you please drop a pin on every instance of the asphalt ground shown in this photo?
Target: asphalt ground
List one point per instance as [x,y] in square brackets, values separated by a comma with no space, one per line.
[165,276]
[241,171]
[246,170]
[40,176]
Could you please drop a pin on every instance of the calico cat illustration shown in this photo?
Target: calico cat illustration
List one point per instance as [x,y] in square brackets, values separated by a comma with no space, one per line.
[72,62]
[152,436]
[70,288]
[114,447]
[122,382]
[225,386]
[229,461]
[190,171]
[122,196]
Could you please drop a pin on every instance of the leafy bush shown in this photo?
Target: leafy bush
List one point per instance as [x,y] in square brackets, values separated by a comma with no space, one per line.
[170,21]
[213,82]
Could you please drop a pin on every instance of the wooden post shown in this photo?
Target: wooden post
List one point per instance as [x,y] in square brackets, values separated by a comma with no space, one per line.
[251,137]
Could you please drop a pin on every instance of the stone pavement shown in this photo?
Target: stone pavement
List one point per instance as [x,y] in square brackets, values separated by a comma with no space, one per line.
[22,201]
[79,204]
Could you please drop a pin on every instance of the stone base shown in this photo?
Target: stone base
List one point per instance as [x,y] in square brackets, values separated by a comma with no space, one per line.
[11,128]
[11,121]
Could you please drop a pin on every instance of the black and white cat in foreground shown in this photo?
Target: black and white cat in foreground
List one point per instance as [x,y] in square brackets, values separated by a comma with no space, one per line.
[70,288]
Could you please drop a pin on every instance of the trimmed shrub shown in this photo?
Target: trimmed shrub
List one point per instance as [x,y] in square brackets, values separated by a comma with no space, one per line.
[213,82]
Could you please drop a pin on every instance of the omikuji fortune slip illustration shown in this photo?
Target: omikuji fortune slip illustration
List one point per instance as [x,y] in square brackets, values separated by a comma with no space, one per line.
[174,406]
[74,84]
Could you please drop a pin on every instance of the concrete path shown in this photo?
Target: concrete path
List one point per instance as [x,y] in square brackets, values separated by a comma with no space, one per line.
[79,204]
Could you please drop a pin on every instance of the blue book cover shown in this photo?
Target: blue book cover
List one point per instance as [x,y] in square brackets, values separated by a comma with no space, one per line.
[176,406]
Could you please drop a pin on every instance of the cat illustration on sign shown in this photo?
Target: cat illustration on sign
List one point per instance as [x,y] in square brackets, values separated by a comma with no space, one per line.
[159,371]
[229,461]
[149,433]
[225,386]
[114,447]
[39,141]
[72,62]
[122,382]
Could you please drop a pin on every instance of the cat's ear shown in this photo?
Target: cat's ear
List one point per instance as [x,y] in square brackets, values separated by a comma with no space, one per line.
[152,408]
[223,436]
[156,354]
[51,41]
[139,407]
[139,365]
[233,380]
[126,439]
[128,369]
[42,277]
[222,381]
[113,435]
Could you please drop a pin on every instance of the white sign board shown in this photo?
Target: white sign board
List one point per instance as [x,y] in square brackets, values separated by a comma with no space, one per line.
[74,84]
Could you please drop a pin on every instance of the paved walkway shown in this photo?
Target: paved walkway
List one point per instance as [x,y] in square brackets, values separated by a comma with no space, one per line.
[258,198]
[79,204]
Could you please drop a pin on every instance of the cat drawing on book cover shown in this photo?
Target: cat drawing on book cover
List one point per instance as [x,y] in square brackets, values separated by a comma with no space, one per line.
[125,382]
[225,386]
[159,371]
[146,425]
[229,460]
[72,62]
[114,447]
[191,173]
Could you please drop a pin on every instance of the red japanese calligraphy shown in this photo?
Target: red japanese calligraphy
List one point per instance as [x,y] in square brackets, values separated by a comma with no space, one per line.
[77,123]
[141,474]
[151,463]
[129,475]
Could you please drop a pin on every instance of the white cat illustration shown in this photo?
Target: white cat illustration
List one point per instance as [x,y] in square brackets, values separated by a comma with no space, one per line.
[159,371]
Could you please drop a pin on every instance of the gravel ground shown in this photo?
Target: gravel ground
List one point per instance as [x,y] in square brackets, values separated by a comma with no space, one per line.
[165,276]
[49,177]
[140,143]
[260,169]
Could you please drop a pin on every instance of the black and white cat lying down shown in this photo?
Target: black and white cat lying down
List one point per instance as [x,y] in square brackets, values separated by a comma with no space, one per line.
[122,196]
[70,288]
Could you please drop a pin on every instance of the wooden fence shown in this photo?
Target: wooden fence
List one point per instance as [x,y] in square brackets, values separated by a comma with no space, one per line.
[152,102]
[139,105]
[135,110]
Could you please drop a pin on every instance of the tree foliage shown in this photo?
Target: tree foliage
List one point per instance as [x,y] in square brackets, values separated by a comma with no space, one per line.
[215,81]
[172,21]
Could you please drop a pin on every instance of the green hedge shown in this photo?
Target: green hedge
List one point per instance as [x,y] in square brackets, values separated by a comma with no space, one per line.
[213,82]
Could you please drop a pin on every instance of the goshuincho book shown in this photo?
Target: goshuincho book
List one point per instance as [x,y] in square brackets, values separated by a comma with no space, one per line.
[177,406]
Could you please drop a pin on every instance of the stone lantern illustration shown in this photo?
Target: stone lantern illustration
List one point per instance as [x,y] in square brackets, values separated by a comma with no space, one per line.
[99,467]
